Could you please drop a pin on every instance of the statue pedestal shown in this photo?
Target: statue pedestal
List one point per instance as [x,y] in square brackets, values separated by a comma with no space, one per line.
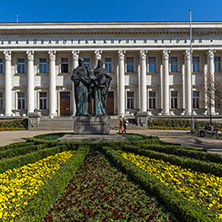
[91,125]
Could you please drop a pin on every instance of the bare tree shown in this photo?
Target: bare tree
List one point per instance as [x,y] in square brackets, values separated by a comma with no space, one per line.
[213,91]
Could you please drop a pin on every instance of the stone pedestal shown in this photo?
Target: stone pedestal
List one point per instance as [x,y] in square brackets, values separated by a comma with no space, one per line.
[91,125]
[141,119]
[33,120]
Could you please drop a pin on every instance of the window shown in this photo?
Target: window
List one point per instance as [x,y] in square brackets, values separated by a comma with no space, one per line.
[108,64]
[152,64]
[64,65]
[195,99]
[130,100]
[86,62]
[130,64]
[1,100]
[21,66]
[173,100]
[195,64]
[1,65]
[21,100]
[173,64]
[42,65]
[217,64]
[43,100]
[152,100]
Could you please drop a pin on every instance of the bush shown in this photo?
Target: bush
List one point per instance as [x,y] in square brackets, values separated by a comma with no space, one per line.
[13,124]
[198,165]
[21,151]
[178,123]
[184,209]
[6,164]
[40,204]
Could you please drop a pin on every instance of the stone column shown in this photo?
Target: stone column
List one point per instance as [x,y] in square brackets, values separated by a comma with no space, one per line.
[98,55]
[121,82]
[211,80]
[52,84]
[8,84]
[30,86]
[166,98]
[75,56]
[143,93]
[188,89]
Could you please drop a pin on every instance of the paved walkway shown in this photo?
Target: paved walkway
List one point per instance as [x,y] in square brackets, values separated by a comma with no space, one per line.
[184,138]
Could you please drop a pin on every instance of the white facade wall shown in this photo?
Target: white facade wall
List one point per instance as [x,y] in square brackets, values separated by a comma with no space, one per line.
[118,41]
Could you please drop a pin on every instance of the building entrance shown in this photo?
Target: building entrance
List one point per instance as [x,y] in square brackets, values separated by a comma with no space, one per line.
[110,103]
[64,103]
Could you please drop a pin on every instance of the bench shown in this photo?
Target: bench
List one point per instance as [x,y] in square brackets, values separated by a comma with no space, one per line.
[216,132]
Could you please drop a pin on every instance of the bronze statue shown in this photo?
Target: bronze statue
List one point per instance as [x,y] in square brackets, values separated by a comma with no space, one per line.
[91,83]
[99,88]
[81,80]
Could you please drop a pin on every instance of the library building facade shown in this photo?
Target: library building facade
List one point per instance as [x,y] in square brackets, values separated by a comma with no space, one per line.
[152,67]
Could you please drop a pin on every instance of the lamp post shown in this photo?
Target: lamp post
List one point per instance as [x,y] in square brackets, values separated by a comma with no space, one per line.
[192,120]
[209,90]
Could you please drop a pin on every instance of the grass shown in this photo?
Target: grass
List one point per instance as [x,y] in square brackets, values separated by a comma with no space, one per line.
[52,136]
[133,137]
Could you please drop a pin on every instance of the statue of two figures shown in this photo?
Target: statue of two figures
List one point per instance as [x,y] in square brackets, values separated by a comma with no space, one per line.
[89,84]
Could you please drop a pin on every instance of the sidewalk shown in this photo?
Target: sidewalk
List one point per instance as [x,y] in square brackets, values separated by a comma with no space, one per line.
[184,138]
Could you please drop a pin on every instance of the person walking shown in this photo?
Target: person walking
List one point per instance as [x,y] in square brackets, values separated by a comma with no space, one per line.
[120,125]
[125,123]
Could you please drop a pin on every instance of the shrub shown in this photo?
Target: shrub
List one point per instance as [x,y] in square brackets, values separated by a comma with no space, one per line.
[184,209]
[13,124]
[178,123]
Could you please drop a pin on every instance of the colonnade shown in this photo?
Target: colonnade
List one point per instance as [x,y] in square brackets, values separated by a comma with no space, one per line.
[120,82]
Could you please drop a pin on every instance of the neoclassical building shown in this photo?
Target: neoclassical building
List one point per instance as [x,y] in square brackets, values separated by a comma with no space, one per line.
[150,63]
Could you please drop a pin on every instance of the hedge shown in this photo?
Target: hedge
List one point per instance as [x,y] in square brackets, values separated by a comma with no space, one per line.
[184,209]
[180,151]
[39,205]
[20,161]
[21,151]
[15,145]
[198,165]
[181,123]
[19,123]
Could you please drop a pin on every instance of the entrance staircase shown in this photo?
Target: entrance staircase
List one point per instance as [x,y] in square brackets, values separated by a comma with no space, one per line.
[66,123]
[57,124]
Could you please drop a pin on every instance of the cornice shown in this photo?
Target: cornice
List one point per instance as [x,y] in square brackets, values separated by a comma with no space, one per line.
[106,28]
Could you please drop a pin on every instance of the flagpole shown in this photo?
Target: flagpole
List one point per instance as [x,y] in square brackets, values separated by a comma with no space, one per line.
[191,68]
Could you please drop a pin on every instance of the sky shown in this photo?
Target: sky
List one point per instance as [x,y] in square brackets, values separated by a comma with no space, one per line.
[109,10]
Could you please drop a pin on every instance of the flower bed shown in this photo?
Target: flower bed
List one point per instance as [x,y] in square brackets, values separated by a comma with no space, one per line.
[21,150]
[203,189]
[90,178]
[192,153]
[99,192]
[18,185]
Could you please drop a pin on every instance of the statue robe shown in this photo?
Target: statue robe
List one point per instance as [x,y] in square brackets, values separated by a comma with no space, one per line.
[81,81]
[100,91]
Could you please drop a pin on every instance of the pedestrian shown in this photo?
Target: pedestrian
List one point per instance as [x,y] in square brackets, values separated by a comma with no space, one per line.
[208,129]
[125,123]
[120,125]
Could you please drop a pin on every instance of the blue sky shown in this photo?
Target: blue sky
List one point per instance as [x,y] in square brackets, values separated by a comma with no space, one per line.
[109,10]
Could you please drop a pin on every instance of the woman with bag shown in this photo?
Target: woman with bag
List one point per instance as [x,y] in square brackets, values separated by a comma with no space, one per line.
[120,125]
[125,123]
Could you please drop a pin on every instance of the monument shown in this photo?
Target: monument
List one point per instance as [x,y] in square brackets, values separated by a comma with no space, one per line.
[89,84]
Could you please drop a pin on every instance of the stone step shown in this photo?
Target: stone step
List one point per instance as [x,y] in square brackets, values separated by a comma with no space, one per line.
[67,123]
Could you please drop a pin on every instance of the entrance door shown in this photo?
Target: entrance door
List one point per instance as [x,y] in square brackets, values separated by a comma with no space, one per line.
[64,103]
[90,106]
[110,103]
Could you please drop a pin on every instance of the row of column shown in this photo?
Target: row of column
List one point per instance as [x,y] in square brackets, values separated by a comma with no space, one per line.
[30,84]
[121,82]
